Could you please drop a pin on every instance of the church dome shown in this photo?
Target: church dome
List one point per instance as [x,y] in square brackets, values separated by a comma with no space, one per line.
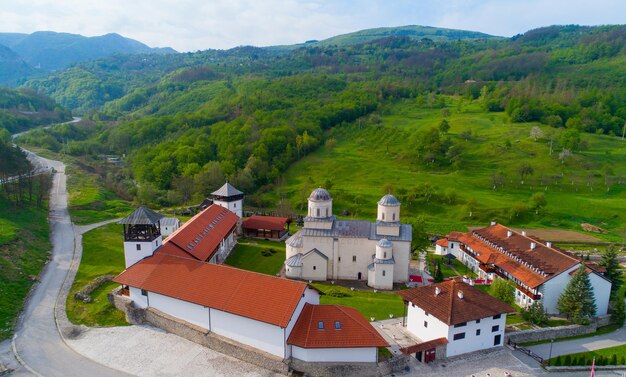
[389,201]
[319,195]
[384,243]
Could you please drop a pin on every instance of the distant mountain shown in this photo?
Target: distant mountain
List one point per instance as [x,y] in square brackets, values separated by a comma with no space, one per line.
[11,66]
[46,51]
[412,31]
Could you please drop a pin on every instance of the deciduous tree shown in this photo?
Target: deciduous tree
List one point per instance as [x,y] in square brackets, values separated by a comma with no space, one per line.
[503,290]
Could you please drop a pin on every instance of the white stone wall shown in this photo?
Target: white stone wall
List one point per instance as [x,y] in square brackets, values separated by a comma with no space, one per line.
[388,214]
[314,267]
[383,230]
[552,289]
[602,293]
[415,323]
[311,296]
[192,313]
[402,257]
[441,250]
[320,209]
[293,272]
[235,207]
[473,341]
[291,251]
[261,335]
[354,355]
[140,300]
[132,255]
[382,276]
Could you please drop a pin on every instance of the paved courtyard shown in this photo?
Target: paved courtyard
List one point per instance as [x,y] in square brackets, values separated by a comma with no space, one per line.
[147,351]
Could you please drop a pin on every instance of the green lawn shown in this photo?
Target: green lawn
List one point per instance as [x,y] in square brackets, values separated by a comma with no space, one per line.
[89,201]
[103,254]
[249,255]
[448,267]
[378,305]
[605,356]
[369,159]
[24,248]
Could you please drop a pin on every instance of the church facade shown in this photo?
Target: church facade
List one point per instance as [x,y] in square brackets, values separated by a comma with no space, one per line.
[329,249]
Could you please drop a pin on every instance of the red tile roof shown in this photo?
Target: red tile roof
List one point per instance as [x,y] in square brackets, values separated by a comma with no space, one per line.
[449,308]
[442,242]
[265,222]
[248,294]
[424,346]
[201,235]
[531,266]
[355,331]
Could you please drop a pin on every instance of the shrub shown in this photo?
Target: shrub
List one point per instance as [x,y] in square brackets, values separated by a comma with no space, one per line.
[535,313]
[622,360]
[557,362]
[614,359]
[267,252]
[567,360]
[334,292]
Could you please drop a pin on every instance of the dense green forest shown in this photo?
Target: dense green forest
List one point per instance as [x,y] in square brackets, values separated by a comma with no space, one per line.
[182,123]
[24,108]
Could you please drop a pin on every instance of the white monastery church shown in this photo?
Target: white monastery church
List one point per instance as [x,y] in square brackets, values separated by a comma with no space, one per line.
[328,249]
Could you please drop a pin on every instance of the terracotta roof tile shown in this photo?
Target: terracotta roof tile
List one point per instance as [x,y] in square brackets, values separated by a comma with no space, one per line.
[449,308]
[355,331]
[265,222]
[202,234]
[442,242]
[249,294]
[531,266]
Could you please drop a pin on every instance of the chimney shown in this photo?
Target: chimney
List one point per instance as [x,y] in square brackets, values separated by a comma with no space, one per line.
[549,244]
[460,294]
[508,233]
[524,233]
[533,246]
[437,291]
[493,223]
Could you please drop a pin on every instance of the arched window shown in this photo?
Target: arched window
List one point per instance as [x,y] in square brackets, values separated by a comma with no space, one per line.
[383,272]
[393,216]
[383,215]
[326,212]
[385,254]
[318,212]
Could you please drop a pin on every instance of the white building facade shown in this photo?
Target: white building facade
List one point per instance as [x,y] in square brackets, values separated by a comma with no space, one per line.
[329,249]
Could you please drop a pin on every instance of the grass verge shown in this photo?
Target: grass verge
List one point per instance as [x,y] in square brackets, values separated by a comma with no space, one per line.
[103,254]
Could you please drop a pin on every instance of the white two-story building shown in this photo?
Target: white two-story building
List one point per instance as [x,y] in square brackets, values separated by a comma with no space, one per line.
[455,315]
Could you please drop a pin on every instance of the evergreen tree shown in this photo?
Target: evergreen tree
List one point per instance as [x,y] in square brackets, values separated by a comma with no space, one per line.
[618,313]
[611,264]
[438,278]
[535,313]
[578,301]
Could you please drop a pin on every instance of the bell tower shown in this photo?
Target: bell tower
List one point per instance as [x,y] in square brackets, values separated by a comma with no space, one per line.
[142,234]
[230,198]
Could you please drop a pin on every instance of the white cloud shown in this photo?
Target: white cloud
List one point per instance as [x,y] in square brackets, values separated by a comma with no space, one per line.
[192,24]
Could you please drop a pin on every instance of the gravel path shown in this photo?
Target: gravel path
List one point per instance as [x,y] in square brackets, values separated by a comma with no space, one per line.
[148,351]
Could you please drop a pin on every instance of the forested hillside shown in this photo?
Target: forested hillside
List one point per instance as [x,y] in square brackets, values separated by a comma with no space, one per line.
[24,108]
[185,122]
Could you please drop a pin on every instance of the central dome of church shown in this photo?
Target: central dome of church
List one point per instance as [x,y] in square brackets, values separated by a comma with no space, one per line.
[319,195]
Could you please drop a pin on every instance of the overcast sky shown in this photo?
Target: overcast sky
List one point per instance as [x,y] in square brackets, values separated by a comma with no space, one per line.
[189,25]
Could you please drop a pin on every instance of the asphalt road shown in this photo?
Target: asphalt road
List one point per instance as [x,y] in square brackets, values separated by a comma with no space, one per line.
[37,340]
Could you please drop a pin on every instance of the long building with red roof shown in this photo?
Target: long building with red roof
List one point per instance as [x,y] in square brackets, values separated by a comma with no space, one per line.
[539,270]
[183,277]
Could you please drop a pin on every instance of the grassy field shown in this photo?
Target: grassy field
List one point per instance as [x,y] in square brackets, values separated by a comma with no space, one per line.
[103,254]
[378,305]
[24,248]
[605,356]
[369,159]
[89,201]
[249,255]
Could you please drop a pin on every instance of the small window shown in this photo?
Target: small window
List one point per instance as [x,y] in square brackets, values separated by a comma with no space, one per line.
[497,316]
[425,313]
[337,325]
[383,272]
[339,259]
[393,216]
[234,205]
[451,245]
[326,212]
[314,267]
[354,258]
[460,324]
[425,324]
[478,332]
[318,212]
[144,292]
[459,336]
[478,321]
[383,215]
[385,254]
[320,325]
[138,246]
[495,328]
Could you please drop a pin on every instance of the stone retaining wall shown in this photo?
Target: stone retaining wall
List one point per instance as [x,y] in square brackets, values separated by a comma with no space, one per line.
[557,332]
[395,364]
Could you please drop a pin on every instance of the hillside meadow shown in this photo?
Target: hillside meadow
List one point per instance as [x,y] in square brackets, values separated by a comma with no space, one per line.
[370,158]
